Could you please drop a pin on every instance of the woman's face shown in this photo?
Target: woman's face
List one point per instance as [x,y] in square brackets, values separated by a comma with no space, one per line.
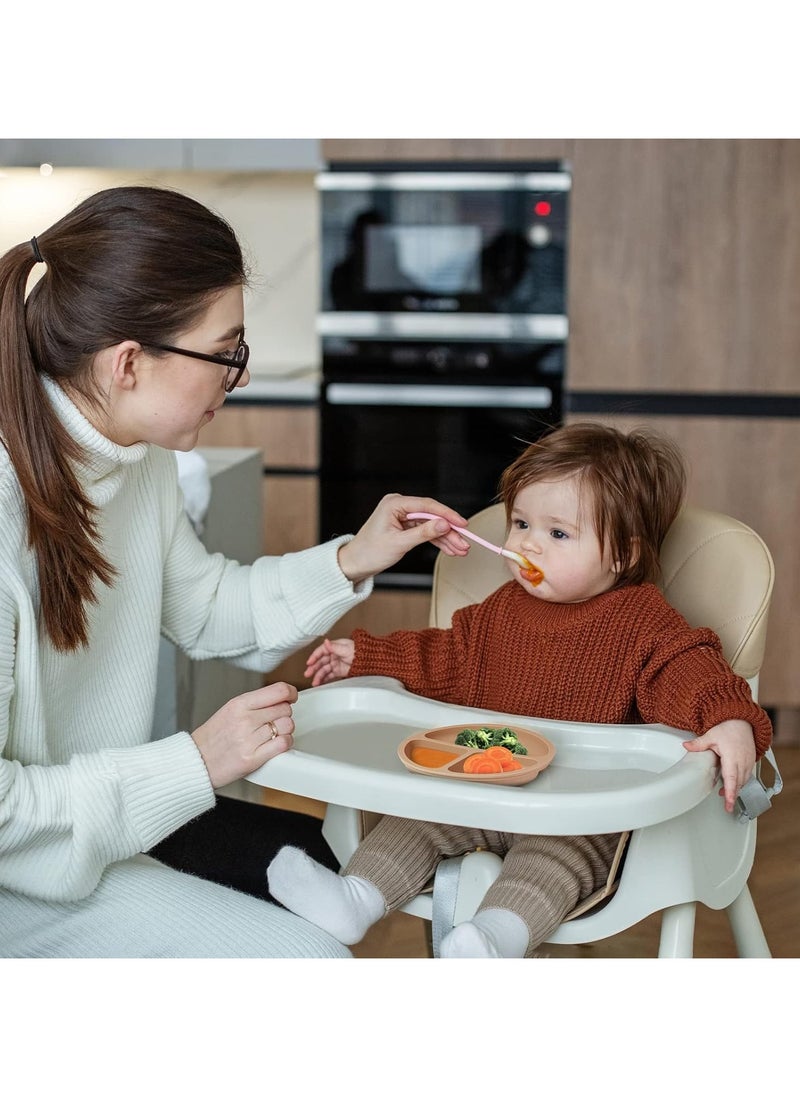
[551,528]
[174,396]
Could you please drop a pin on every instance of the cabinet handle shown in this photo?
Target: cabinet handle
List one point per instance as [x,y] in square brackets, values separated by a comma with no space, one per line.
[434,395]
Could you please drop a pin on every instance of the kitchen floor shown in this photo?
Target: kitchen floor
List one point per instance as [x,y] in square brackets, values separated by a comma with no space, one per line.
[774,885]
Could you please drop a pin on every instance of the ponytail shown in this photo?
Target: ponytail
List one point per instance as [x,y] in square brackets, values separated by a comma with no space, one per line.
[61,521]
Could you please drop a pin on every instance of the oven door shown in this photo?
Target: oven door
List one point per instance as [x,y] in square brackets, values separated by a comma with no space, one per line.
[416,247]
[447,441]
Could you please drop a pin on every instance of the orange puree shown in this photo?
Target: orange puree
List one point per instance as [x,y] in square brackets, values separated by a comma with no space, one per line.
[431,759]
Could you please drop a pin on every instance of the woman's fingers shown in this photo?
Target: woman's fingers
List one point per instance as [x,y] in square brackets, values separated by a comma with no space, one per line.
[246,732]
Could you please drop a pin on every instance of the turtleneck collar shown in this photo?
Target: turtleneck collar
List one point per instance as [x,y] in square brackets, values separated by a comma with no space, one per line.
[105,461]
[550,616]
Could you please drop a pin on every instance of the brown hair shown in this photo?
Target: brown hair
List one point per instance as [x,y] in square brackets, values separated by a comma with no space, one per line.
[635,484]
[127,263]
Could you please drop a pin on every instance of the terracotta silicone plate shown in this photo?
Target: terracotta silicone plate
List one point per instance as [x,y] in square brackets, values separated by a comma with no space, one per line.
[441,740]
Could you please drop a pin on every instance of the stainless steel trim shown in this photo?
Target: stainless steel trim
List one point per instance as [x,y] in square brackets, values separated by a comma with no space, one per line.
[435,395]
[463,325]
[443,180]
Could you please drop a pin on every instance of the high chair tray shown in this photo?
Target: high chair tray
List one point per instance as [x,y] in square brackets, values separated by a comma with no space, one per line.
[603,777]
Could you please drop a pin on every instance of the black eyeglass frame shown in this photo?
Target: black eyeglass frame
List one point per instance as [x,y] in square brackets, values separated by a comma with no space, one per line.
[235,365]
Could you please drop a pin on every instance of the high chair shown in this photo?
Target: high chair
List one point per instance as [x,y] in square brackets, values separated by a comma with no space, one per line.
[680,846]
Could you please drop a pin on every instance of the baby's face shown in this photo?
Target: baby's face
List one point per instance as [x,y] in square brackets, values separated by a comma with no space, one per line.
[551,529]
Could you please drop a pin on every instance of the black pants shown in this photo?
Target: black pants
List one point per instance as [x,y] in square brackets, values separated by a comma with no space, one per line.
[234,842]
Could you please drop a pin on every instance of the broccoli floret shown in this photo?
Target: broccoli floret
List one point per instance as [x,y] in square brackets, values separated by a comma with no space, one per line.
[483,738]
[510,740]
[467,738]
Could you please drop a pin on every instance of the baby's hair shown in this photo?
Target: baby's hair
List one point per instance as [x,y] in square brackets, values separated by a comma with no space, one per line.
[633,485]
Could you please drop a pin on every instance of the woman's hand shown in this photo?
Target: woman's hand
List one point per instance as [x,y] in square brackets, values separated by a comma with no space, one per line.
[331,661]
[239,738]
[387,535]
[734,744]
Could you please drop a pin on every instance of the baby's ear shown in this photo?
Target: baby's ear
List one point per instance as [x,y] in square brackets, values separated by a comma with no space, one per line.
[635,550]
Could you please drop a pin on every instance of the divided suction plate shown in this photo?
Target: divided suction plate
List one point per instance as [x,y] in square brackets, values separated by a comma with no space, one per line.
[441,740]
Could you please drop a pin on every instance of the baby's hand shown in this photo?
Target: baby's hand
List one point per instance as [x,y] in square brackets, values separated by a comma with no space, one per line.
[734,744]
[331,661]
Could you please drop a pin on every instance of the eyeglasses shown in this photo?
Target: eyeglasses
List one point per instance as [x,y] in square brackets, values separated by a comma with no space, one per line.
[235,361]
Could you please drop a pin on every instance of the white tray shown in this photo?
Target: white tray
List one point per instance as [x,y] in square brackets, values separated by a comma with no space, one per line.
[604,778]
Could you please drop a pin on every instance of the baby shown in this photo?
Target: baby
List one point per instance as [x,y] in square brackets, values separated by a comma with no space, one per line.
[592,640]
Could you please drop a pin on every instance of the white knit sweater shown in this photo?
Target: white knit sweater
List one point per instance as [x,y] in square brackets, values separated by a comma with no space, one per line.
[81,784]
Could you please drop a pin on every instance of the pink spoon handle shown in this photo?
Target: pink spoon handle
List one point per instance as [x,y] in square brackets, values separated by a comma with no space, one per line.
[478,540]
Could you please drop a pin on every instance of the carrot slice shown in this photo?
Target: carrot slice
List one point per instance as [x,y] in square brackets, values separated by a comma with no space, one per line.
[479,763]
[502,754]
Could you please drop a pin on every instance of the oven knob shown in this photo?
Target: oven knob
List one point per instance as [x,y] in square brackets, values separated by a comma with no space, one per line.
[539,235]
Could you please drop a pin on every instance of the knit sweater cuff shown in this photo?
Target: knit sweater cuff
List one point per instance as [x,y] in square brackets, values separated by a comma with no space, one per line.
[718,711]
[163,785]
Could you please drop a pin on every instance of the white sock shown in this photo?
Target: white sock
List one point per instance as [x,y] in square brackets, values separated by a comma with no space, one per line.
[343,905]
[491,934]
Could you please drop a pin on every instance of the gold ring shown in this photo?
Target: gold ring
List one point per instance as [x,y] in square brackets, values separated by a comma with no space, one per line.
[273,728]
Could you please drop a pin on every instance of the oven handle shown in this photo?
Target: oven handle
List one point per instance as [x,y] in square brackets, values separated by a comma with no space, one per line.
[435,395]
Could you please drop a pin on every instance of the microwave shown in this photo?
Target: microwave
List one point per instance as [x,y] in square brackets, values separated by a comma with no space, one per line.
[444,251]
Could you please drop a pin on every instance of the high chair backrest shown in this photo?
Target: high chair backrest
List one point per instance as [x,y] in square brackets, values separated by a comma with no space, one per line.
[716,571]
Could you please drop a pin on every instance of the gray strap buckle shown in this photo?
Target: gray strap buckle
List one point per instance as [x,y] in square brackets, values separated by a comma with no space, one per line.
[755,797]
[445,896]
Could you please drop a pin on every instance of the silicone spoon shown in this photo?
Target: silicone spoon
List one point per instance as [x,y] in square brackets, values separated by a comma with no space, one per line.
[529,570]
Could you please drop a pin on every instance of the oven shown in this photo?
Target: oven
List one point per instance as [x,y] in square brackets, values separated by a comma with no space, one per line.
[441,420]
[443,324]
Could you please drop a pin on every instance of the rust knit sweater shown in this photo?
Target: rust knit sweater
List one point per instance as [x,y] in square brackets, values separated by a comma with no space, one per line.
[624,657]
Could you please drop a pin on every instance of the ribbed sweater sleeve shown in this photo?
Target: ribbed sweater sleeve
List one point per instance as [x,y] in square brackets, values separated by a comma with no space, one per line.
[430,662]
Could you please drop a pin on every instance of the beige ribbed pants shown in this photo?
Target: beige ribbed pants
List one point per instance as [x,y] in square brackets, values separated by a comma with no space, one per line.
[542,880]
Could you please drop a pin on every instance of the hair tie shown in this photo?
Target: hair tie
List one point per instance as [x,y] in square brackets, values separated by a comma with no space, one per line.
[36,252]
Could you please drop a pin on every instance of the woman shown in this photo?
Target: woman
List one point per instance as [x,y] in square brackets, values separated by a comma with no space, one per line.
[122,351]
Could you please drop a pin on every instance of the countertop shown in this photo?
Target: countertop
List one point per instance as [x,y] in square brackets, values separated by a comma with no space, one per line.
[301,387]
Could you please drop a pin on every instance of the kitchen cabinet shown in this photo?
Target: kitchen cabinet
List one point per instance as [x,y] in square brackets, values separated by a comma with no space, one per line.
[167,154]
[288,438]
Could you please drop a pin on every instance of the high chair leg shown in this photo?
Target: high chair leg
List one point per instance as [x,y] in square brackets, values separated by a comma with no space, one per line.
[677,932]
[746,927]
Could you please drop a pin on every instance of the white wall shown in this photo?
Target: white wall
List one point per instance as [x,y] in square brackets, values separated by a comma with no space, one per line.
[274,215]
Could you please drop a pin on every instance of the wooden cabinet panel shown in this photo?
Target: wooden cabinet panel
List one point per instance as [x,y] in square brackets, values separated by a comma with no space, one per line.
[684,266]
[748,468]
[287,436]
[291,505]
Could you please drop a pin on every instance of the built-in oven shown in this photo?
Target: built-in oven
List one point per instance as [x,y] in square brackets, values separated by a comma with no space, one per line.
[439,420]
[432,251]
[444,329]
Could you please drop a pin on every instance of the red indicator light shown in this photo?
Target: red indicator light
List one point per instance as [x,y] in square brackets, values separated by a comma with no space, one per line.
[542,209]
